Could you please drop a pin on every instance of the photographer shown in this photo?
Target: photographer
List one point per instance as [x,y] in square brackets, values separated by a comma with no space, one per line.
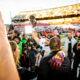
[76,50]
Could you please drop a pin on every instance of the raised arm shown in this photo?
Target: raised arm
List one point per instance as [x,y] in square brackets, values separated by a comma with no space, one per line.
[35,36]
[7,66]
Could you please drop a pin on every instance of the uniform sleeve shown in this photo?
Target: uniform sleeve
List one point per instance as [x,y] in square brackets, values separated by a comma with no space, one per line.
[42,42]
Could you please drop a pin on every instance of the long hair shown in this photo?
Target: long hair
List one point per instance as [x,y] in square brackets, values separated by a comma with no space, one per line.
[13,45]
[55,43]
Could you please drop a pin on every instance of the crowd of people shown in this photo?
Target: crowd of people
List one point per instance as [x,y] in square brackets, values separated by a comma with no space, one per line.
[39,56]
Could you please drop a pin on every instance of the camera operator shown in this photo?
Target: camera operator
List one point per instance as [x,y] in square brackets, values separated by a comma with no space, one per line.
[76,50]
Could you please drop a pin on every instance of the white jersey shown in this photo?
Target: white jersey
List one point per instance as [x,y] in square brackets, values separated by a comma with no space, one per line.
[42,42]
[46,48]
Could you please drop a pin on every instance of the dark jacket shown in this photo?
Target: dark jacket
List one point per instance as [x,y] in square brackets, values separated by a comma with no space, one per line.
[25,74]
[77,52]
[31,54]
[25,61]
[76,59]
[46,73]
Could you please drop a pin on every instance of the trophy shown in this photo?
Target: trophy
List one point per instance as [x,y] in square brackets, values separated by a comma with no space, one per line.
[29,28]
